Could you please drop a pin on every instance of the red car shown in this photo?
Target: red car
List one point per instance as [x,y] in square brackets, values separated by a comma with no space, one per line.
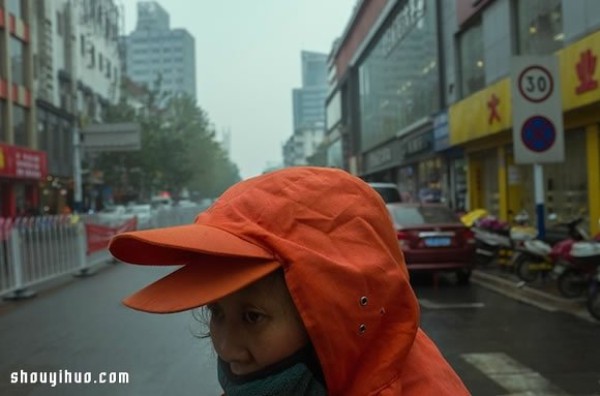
[433,239]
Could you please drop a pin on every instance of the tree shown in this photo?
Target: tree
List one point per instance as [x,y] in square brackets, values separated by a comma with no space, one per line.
[178,150]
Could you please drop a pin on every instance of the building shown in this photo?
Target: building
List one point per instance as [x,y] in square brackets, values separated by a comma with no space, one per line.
[78,76]
[302,145]
[60,69]
[480,120]
[420,95]
[308,103]
[160,57]
[23,165]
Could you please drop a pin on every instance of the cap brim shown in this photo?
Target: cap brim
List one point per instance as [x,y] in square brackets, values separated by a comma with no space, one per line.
[178,245]
[198,283]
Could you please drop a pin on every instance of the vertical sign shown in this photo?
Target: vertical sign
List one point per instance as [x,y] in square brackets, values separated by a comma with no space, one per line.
[538,135]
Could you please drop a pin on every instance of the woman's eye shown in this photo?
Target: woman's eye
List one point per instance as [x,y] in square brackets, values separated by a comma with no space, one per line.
[252,317]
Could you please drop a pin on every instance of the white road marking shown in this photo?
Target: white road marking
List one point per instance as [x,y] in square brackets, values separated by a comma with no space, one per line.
[516,378]
[436,305]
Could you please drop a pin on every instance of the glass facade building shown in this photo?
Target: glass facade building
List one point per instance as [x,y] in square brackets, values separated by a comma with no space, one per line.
[399,78]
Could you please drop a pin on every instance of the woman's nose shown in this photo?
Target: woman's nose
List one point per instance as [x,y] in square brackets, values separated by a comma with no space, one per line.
[229,344]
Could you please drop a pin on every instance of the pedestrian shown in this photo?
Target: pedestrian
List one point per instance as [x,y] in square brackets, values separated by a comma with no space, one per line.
[305,285]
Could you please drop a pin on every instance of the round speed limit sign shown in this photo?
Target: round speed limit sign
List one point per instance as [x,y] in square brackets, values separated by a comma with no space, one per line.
[536,84]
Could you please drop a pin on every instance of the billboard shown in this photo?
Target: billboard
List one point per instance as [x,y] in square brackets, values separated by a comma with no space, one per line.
[22,163]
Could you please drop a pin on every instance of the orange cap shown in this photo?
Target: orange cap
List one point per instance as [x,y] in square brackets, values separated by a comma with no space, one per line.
[241,237]
[215,263]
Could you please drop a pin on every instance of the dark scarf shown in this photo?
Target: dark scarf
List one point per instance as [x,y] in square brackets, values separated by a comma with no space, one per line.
[298,375]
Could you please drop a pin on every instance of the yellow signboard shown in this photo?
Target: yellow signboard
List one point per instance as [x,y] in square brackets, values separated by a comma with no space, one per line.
[580,72]
[482,114]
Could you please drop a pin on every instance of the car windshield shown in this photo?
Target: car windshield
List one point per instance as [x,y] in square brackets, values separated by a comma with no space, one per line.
[418,215]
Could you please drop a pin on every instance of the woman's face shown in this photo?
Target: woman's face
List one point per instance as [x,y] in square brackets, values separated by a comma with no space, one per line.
[256,326]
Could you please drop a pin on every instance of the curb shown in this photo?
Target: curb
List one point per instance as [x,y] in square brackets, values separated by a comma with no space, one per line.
[530,295]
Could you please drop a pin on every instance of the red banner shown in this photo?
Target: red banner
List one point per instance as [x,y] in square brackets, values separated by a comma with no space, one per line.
[98,236]
[22,163]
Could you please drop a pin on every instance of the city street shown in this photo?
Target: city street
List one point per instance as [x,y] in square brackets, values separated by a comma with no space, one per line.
[499,346]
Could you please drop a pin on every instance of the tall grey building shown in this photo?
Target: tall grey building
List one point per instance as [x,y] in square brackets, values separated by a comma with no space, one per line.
[155,52]
[309,110]
[309,101]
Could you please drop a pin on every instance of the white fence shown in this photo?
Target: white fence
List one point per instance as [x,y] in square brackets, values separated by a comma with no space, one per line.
[37,249]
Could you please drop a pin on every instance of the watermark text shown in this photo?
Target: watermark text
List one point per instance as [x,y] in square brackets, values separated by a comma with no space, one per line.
[60,377]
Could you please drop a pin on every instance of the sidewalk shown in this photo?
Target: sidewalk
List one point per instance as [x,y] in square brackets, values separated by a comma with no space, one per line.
[542,293]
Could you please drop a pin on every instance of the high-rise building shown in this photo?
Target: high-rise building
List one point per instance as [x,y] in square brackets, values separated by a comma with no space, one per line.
[309,110]
[156,54]
[309,100]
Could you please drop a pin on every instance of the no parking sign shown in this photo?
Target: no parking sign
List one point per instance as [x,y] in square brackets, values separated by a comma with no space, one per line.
[538,134]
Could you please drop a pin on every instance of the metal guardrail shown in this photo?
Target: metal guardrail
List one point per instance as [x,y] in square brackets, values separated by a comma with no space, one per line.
[37,249]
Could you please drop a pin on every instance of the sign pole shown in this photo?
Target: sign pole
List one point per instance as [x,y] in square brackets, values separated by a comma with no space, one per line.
[538,129]
[78,196]
[538,182]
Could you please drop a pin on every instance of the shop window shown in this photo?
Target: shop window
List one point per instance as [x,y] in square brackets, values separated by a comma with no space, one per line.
[397,90]
[472,68]
[430,181]
[565,189]
[540,25]
[16,61]
[458,184]
[19,126]
[406,178]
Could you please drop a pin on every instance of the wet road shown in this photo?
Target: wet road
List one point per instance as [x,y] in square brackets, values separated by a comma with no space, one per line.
[81,326]
[503,347]
[497,345]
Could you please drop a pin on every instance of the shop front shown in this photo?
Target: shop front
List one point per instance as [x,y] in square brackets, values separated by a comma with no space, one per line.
[482,125]
[397,96]
[411,163]
[21,171]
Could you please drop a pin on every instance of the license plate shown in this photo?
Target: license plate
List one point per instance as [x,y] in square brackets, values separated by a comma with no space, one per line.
[437,242]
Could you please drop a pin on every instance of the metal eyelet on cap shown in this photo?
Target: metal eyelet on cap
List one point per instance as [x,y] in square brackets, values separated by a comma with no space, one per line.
[364,300]
[362,329]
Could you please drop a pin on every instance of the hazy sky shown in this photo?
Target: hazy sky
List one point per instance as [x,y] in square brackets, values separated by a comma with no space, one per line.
[248,62]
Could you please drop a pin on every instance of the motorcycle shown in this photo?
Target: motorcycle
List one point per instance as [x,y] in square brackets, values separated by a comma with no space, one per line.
[593,300]
[575,271]
[588,254]
[537,256]
[493,236]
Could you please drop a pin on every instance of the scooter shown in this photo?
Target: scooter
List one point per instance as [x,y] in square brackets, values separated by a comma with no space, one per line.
[492,236]
[588,254]
[574,271]
[537,256]
[593,300]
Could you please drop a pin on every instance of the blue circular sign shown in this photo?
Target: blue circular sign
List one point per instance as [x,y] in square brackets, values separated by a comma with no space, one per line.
[538,134]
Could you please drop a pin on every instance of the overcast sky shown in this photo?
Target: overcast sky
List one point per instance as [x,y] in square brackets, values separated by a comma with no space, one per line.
[248,62]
